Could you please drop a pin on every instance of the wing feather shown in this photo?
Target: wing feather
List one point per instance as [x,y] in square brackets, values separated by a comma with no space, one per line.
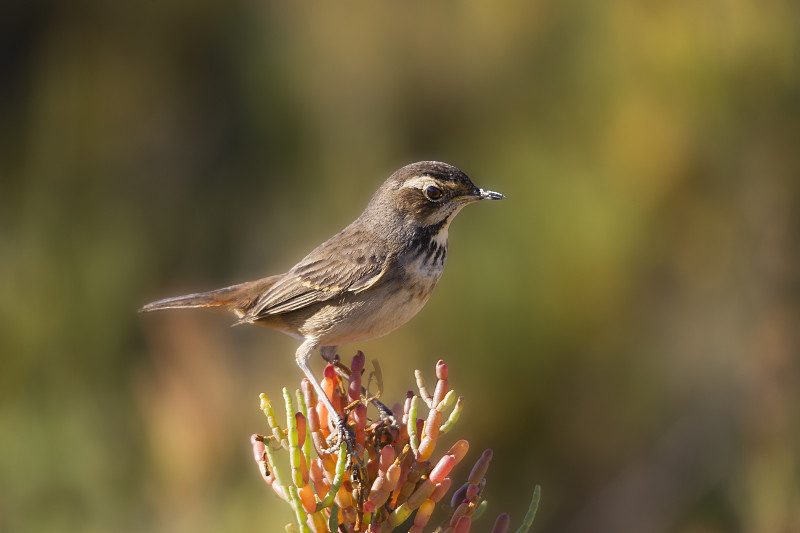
[327,272]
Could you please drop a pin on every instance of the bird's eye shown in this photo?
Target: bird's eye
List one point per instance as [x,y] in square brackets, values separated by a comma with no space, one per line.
[433,193]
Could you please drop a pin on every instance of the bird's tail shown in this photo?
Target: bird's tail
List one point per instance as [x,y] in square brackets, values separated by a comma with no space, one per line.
[237,298]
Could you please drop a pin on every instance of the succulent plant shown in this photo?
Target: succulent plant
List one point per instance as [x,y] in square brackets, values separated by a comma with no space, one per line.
[389,478]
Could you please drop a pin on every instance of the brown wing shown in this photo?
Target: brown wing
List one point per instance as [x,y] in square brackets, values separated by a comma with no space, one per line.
[348,262]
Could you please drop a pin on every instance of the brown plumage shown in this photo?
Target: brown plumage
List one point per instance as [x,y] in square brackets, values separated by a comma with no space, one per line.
[364,281]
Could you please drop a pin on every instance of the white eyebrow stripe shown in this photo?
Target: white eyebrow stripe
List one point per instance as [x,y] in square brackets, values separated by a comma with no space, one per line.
[418,182]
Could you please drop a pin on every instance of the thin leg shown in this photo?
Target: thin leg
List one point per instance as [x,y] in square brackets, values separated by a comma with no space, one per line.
[302,356]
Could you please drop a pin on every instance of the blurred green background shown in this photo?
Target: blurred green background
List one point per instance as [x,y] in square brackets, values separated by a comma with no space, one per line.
[624,326]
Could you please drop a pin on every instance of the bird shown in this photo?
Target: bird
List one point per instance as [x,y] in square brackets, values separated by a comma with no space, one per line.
[363,282]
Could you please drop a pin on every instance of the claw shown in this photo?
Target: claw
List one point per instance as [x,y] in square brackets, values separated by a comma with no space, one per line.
[348,435]
[343,434]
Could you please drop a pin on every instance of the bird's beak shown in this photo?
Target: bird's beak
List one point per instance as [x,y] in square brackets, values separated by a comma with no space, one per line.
[479,194]
[490,195]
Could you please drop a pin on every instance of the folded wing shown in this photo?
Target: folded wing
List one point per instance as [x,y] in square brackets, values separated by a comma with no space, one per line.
[326,273]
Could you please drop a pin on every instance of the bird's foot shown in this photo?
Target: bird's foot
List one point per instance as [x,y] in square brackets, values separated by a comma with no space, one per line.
[342,434]
[347,436]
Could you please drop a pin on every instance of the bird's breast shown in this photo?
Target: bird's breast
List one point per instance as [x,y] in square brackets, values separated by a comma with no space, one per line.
[383,307]
[423,261]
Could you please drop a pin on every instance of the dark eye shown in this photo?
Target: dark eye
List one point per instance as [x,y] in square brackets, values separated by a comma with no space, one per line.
[433,193]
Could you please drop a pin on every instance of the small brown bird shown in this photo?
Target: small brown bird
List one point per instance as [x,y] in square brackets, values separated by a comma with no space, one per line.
[366,280]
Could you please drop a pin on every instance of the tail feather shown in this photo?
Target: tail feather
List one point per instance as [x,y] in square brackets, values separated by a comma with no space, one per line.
[236,298]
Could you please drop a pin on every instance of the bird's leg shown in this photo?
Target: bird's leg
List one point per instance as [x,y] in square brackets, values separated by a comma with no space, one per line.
[302,356]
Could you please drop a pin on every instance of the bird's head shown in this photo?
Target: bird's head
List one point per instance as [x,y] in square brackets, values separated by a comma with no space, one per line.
[428,194]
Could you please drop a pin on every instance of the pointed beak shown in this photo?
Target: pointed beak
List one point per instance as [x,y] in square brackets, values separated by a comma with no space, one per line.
[490,195]
[478,194]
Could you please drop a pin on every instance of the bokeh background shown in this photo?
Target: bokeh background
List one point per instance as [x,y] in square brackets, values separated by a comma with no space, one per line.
[624,326]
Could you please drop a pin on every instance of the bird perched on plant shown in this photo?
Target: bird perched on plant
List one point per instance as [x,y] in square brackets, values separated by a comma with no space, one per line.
[366,280]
